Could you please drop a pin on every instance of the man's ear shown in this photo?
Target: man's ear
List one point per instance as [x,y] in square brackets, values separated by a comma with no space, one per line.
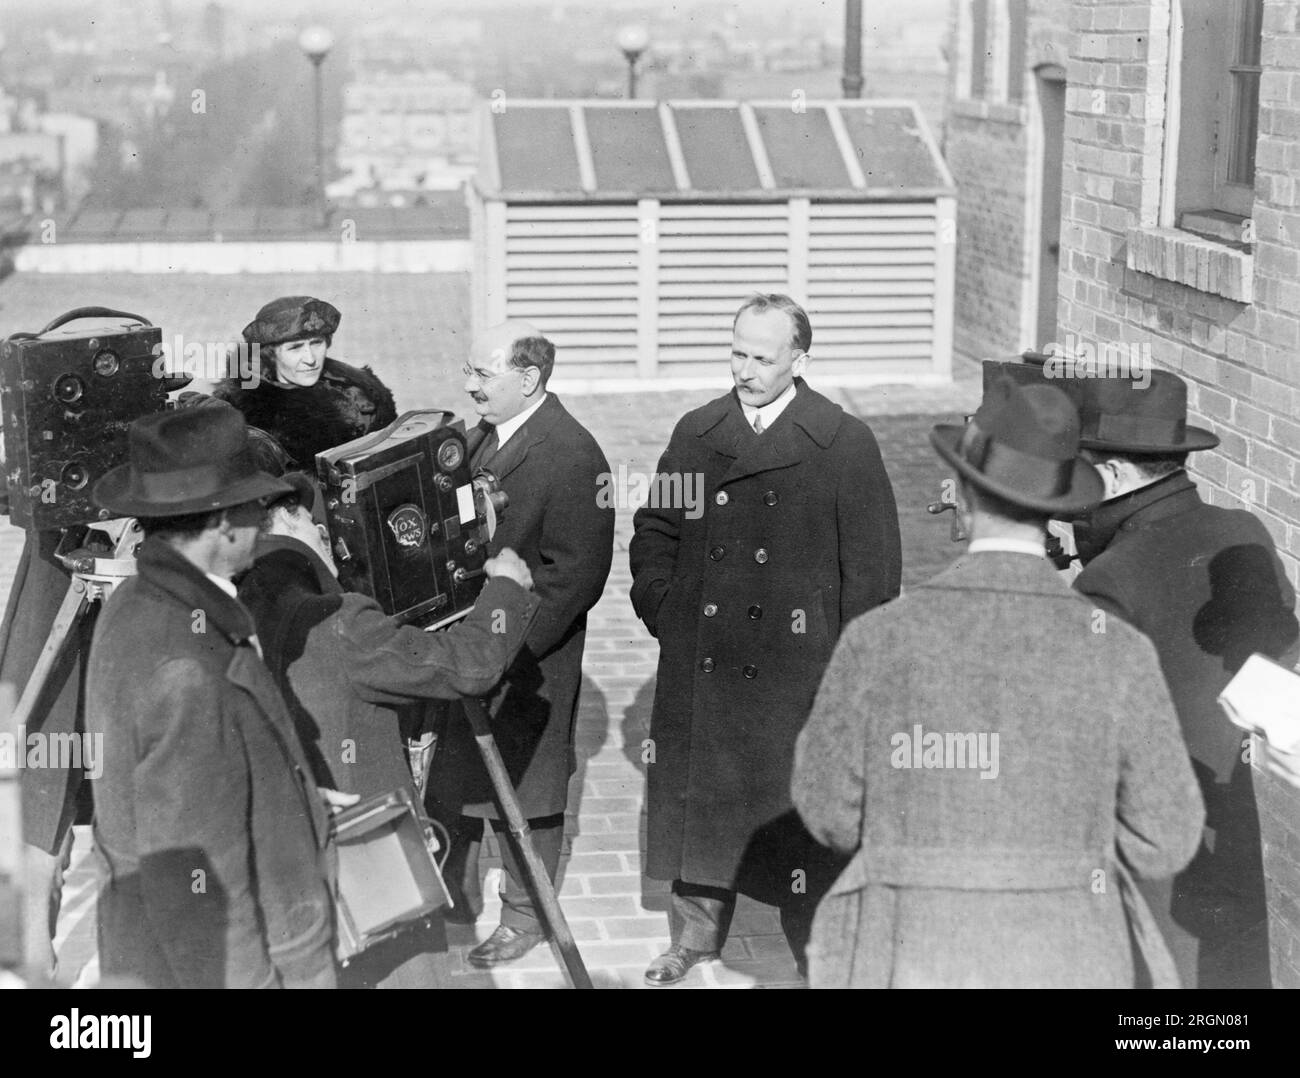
[532,379]
[1114,474]
[800,364]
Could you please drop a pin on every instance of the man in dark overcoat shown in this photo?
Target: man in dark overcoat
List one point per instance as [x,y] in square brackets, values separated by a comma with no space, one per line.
[211,834]
[347,669]
[551,469]
[996,800]
[794,532]
[1206,585]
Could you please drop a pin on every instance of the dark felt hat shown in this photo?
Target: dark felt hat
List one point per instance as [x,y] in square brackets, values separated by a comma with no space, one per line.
[1123,417]
[291,318]
[1024,448]
[191,460]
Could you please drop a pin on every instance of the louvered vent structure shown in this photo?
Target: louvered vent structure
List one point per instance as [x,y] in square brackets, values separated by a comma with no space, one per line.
[630,232]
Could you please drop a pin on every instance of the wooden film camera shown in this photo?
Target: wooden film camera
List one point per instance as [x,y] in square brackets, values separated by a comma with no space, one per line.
[408,523]
[387,878]
[68,398]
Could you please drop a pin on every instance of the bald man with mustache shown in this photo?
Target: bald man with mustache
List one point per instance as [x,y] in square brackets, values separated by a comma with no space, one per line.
[550,467]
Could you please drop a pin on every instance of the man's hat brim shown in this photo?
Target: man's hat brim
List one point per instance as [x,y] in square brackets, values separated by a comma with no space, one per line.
[113,493]
[1085,490]
[1194,440]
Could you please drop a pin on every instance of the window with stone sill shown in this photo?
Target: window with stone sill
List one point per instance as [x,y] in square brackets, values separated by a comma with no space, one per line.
[1208,183]
[1214,82]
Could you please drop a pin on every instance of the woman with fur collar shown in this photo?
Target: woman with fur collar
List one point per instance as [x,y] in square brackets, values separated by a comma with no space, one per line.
[303,399]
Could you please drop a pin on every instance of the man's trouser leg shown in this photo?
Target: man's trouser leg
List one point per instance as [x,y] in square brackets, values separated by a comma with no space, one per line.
[519,907]
[699,917]
[460,870]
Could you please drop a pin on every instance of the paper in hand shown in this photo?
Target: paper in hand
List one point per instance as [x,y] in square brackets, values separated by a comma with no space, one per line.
[1264,698]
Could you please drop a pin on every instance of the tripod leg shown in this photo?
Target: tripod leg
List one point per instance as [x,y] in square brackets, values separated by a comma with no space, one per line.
[40,868]
[72,608]
[476,710]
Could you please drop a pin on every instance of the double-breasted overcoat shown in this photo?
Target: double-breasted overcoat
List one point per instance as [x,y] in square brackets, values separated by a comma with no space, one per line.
[794,532]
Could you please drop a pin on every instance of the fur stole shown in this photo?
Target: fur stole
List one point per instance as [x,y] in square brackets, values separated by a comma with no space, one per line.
[346,403]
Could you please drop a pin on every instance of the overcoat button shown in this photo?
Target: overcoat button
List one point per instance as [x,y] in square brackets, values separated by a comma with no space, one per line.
[760,556]
[717,552]
[770,498]
[707,666]
[755,612]
[710,609]
[722,498]
[751,672]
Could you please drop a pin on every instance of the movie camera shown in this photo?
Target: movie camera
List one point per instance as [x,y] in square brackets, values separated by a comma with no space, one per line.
[409,523]
[68,397]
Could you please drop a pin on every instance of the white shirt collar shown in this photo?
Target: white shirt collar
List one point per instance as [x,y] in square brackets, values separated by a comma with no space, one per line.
[1007,546]
[506,429]
[225,585]
[770,411]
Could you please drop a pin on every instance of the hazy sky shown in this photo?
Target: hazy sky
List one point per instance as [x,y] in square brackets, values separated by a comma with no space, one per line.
[831,12]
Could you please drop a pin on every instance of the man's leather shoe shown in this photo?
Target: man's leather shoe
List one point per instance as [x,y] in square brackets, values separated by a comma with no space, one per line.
[673,965]
[504,945]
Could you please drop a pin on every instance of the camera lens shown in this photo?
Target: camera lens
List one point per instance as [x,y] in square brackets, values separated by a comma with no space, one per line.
[450,454]
[74,476]
[106,363]
[68,389]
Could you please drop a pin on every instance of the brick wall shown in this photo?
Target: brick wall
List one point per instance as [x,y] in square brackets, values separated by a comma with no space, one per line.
[1239,358]
[987,147]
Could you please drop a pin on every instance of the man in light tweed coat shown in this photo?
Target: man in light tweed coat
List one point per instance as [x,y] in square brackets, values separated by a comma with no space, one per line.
[999,757]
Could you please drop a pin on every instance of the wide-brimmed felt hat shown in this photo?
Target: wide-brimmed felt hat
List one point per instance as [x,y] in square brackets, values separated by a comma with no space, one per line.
[304,492]
[191,460]
[292,318]
[1123,417]
[1023,447]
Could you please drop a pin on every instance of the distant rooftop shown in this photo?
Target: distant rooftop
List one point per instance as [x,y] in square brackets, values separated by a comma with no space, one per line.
[446,219]
[683,150]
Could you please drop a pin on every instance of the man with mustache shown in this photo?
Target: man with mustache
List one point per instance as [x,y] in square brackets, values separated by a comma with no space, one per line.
[551,469]
[799,535]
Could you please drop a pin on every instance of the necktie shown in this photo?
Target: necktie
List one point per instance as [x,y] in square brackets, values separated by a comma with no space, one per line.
[487,450]
[758,424]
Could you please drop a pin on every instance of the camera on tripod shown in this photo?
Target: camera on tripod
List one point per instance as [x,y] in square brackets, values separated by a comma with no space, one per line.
[68,397]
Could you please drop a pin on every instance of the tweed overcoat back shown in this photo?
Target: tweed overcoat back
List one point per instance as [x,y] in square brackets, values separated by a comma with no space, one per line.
[958,880]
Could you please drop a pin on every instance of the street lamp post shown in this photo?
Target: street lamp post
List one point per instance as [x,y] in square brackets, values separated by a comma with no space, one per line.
[633,40]
[316,42]
[852,80]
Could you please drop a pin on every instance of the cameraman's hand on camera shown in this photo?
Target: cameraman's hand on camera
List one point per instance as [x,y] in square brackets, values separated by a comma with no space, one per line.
[511,566]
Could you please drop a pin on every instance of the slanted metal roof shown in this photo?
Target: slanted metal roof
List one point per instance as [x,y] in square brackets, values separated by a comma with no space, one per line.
[601,150]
